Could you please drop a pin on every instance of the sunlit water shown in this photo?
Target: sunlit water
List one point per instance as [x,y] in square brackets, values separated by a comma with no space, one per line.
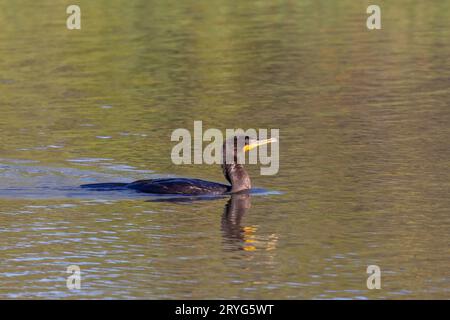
[364,175]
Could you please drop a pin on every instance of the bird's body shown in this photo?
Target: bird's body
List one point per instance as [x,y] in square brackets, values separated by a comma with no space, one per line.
[166,186]
[234,172]
[179,186]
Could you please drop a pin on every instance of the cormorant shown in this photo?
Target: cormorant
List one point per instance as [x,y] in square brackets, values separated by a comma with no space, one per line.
[234,172]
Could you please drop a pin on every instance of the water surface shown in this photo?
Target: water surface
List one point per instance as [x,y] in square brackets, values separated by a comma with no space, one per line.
[364,148]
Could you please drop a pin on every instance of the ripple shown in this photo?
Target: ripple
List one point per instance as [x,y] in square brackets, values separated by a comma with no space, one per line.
[89,160]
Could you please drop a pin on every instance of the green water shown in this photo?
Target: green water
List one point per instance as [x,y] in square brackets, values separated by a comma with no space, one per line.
[364,148]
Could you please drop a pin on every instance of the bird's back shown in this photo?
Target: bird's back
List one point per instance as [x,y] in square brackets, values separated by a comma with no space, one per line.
[179,186]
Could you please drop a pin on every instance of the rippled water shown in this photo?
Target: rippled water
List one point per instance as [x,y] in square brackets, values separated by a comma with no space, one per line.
[364,148]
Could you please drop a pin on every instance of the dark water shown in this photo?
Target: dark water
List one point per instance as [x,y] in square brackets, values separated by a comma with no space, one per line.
[364,148]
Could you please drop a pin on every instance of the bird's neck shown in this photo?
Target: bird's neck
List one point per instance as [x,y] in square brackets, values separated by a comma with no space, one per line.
[237,176]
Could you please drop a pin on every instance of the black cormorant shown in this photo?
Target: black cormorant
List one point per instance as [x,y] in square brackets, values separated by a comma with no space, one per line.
[233,171]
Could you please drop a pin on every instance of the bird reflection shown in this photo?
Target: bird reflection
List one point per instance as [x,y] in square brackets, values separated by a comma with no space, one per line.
[235,235]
